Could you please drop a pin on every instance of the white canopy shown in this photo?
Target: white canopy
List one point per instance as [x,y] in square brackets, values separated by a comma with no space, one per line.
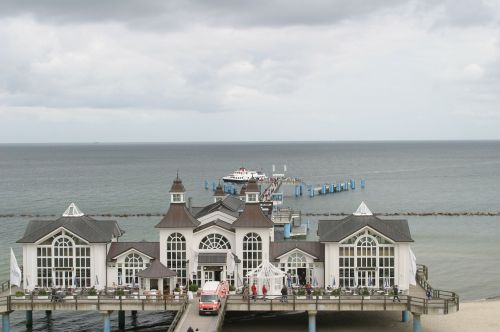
[72,211]
[269,275]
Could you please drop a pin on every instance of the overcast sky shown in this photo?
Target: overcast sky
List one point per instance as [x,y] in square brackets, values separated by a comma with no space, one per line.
[226,70]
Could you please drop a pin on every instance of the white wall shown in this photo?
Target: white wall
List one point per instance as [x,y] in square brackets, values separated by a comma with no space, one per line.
[29,266]
[98,254]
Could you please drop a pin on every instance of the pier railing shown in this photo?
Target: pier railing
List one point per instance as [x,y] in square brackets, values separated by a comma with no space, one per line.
[344,303]
[448,296]
[88,302]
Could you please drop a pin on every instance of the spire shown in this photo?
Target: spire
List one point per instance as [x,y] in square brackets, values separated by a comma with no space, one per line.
[72,211]
[363,210]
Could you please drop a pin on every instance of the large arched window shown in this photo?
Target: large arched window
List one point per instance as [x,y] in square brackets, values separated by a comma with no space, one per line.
[176,256]
[133,265]
[252,252]
[366,259]
[63,260]
[214,241]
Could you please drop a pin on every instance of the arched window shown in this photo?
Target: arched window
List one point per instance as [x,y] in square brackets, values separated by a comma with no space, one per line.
[252,252]
[299,269]
[63,261]
[176,256]
[133,265]
[214,241]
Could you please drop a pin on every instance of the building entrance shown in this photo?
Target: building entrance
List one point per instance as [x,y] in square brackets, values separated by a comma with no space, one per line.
[367,278]
[63,278]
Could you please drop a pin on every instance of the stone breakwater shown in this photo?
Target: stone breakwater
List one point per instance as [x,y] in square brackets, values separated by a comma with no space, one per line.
[312,214]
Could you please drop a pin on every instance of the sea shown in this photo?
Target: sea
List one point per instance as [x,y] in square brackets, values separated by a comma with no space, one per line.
[449,191]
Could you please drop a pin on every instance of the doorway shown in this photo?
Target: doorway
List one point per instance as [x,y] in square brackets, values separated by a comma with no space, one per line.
[366,278]
[63,278]
[153,284]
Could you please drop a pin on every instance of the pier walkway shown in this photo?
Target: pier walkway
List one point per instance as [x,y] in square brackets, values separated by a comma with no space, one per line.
[205,323]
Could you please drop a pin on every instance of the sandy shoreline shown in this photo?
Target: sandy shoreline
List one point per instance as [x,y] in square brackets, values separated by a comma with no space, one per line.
[477,316]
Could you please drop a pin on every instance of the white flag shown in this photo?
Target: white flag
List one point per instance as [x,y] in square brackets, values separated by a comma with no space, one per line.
[15,271]
[230,263]
[413,268]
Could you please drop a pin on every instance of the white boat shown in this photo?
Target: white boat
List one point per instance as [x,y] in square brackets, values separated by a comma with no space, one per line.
[243,175]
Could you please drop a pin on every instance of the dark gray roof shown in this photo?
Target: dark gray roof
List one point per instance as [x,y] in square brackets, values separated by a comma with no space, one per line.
[214,258]
[229,205]
[177,186]
[337,230]
[252,216]
[157,270]
[93,231]
[219,191]
[178,216]
[151,249]
[252,186]
[218,222]
[313,248]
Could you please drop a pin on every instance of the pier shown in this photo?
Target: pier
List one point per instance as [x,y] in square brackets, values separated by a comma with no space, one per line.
[415,302]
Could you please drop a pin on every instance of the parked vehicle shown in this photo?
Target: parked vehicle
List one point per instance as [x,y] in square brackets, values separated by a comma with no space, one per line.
[210,299]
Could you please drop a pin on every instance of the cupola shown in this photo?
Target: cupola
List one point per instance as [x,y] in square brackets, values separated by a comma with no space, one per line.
[177,192]
[252,192]
[219,193]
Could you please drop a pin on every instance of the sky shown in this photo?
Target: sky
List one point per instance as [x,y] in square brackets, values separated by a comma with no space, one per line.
[261,70]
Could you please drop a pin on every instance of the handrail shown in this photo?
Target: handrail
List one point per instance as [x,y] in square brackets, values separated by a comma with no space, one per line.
[177,317]
[406,300]
[99,300]
[222,314]
[421,278]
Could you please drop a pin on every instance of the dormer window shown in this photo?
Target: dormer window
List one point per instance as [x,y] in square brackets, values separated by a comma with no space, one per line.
[252,198]
[177,198]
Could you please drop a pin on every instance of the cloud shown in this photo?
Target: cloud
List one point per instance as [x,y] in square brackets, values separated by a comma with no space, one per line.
[184,70]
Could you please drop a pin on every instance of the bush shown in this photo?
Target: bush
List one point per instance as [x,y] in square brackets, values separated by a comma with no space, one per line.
[19,293]
[120,292]
[42,292]
[365,292]
[232,288]
[177,290]
[193,287]
[93,291]
[317,292]
[336,292]
[301,292]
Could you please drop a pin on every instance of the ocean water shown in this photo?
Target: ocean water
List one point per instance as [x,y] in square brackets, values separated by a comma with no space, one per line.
[420,177]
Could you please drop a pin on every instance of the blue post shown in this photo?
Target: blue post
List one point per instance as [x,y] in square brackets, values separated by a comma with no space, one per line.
[362,183]
[5,322]
[417,327]
[323,189]
[307,224]
[107,322]
[301,189]
[405,316]
[206,185]
[29,318]
[121,319]
[332,188]
[287,231]
[312,321]
[213,186]
[353,184]
[311,191]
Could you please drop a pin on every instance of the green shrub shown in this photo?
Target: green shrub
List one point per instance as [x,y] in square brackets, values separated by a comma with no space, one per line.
[232,288]
[193,287]
[19,293]
[301,292]
[42,292]
[365,292]
[336,292]
[317,292]
[93,291]
[120,292]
